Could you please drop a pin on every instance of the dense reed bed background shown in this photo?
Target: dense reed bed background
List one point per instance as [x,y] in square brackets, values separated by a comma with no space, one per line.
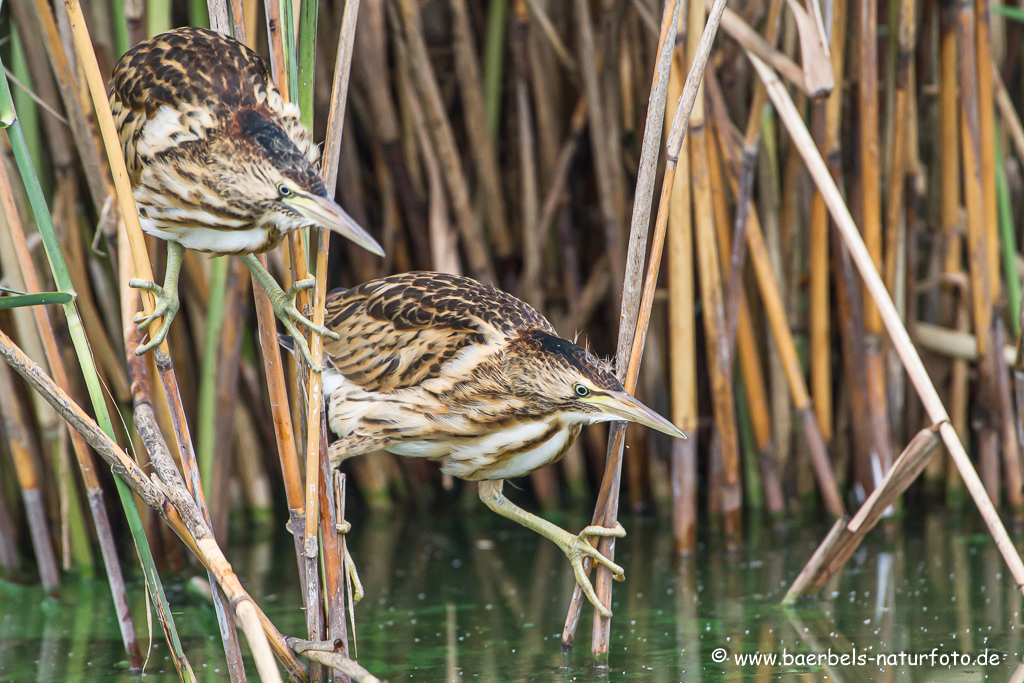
[503,140]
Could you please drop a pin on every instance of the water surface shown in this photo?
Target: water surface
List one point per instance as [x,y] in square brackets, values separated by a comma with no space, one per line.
[454,598]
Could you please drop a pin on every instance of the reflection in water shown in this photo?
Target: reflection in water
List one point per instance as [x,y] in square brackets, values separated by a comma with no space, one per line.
[451,598]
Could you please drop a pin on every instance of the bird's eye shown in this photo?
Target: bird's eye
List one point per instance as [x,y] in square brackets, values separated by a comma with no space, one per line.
[284,190]
[581,390]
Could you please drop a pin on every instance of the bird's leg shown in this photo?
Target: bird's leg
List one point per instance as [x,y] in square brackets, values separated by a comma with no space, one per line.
[166,298]
[284,306]
[574,547]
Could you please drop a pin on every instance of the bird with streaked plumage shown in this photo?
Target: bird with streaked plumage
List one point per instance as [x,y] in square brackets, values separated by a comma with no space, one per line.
[443,367]
[219,163]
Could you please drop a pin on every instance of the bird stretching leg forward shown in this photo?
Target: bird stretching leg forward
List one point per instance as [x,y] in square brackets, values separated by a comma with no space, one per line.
[443,367]
[218,163]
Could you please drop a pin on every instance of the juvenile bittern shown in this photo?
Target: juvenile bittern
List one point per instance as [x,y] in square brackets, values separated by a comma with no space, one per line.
[442,367]
[219,163]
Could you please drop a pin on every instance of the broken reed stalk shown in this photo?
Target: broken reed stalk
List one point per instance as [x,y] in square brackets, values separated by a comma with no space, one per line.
[608,495]
[887,311]
[844,537]
[86,466]
[681,330]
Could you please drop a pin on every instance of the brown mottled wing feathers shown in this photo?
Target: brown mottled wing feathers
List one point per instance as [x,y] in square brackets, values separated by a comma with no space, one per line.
[400,331]
[204,78]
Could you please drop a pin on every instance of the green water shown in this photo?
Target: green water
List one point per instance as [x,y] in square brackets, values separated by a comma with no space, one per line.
[480,599]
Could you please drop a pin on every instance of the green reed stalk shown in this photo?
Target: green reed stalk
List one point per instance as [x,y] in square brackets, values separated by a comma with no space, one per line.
[1008,240]
[158,17]
[494,62]
[307,60]
[198,14]
[55,257]
[23,102]
[119,21]
[288,38]
[40,299]
[206,439]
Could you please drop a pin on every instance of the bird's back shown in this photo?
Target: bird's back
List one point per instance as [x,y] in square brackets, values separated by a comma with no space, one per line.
[177,87]
[401,331]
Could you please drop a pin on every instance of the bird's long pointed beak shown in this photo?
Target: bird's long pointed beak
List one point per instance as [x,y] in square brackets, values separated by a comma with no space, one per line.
[327,214]
[625,407]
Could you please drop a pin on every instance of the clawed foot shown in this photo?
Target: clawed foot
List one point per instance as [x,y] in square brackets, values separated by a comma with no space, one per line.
[350,566]
[166,308]
[284,307]
[578,547]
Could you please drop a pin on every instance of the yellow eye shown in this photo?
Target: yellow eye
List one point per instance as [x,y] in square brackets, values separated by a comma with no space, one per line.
[284,190]
[581,391]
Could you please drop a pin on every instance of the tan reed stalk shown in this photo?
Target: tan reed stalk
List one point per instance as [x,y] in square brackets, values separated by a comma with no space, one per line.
[140,258]
[776,314]
[194,521]
[897,227]
[749,359]
[634,316]
[76,104]
[978,250]
[605,169]
[551,33]
[890,317]
[827,120]
[481,145]
[870,181]
[545,481]
[716,332]
[607,497]
[86,466]
[681,328]
[19,443]
[440,129]
[740,31]
[373,60]
[1012,469]
[229,358]
[986,130]
[1008,113]
[738,250]
[316,444]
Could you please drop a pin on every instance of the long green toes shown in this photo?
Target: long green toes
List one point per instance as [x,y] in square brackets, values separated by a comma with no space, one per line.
[578,547]
[166,308]
[284,308]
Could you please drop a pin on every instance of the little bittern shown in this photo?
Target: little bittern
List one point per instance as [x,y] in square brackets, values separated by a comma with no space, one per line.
[442,367]
[219,163]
